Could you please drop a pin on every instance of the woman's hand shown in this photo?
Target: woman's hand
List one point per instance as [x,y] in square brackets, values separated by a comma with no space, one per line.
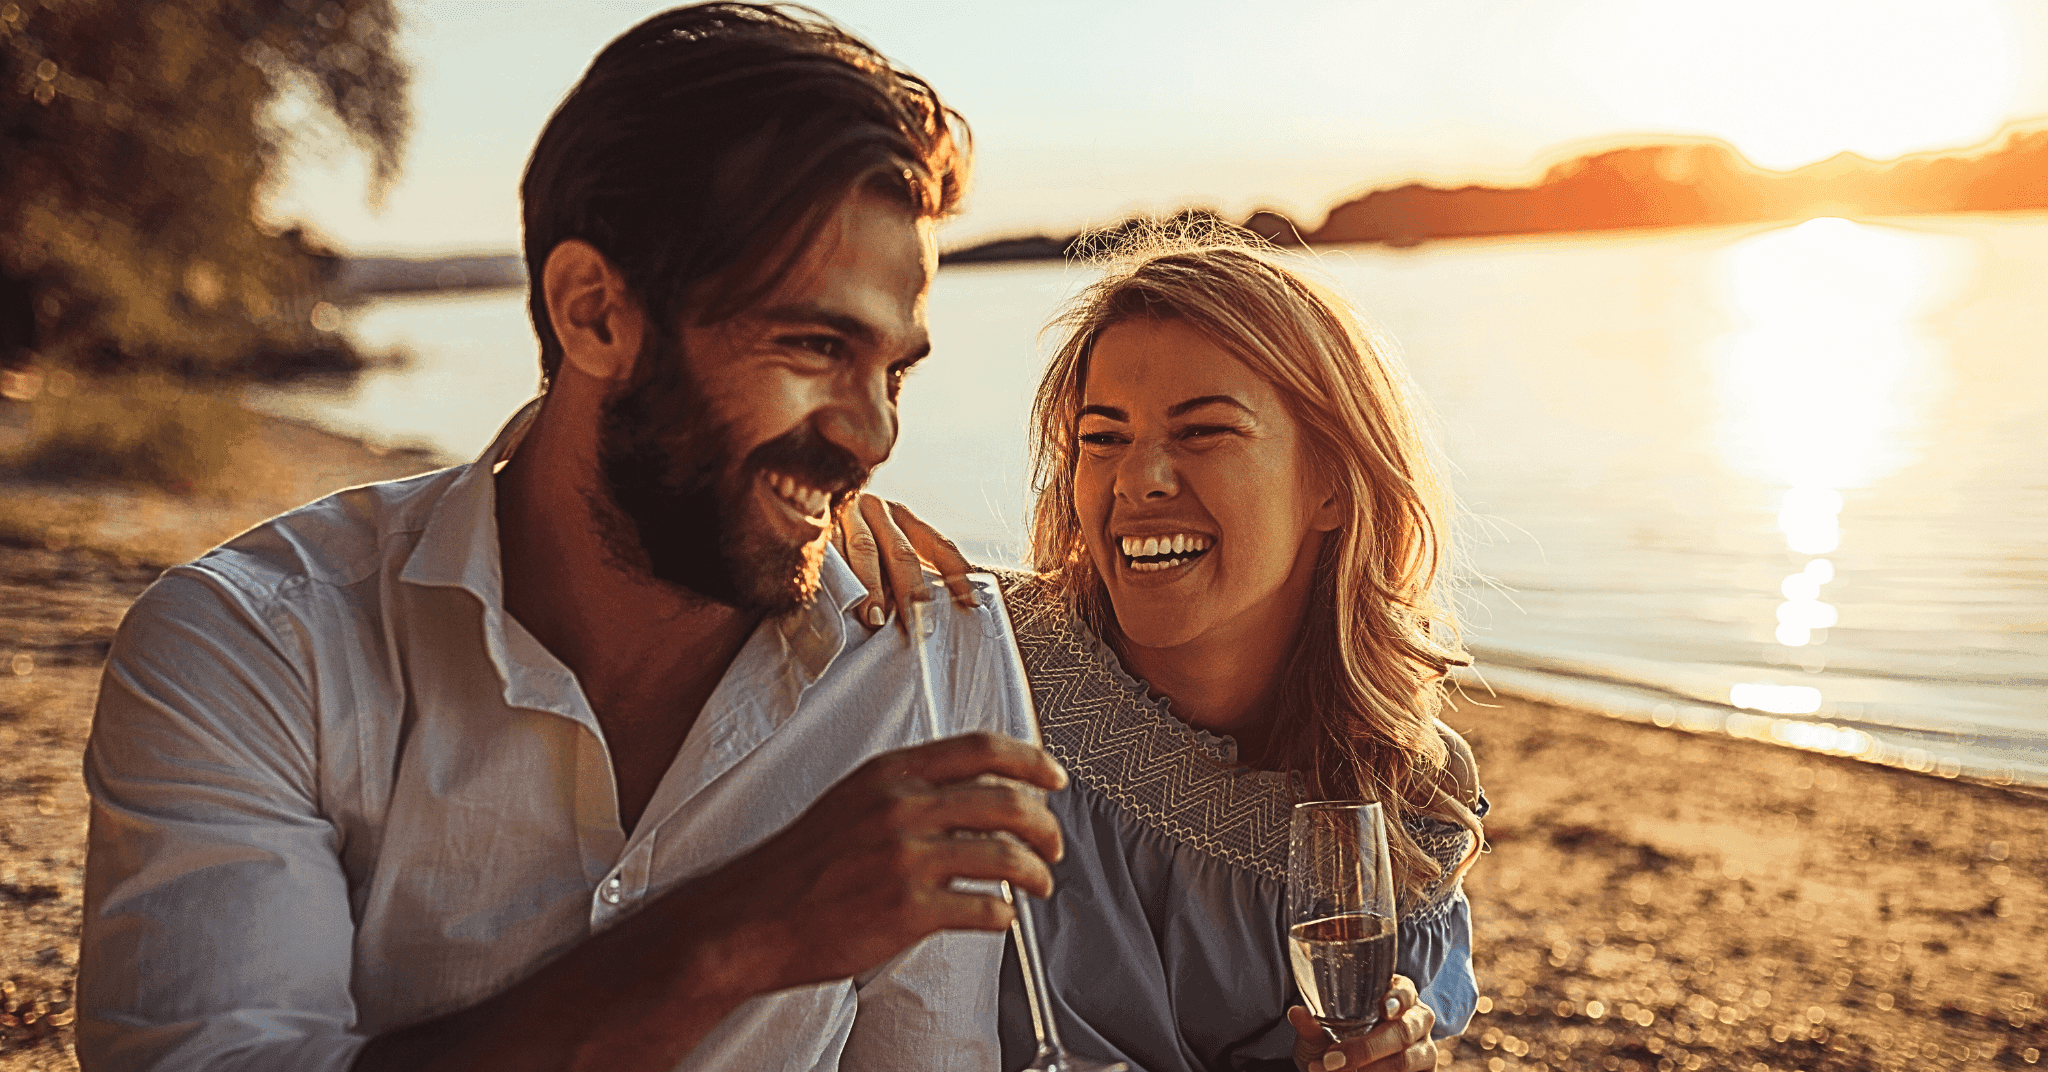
[1400,1042]
[889,548]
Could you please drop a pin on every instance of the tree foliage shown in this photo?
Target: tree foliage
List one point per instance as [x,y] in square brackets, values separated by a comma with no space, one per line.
[136,144]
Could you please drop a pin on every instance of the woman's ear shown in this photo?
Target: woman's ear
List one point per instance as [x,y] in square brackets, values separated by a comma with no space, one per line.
[598,322]
[1329,514]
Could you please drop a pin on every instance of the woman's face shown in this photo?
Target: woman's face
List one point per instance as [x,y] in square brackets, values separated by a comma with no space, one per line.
[1193,490]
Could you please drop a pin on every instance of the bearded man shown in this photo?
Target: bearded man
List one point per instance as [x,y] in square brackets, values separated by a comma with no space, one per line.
[588,754]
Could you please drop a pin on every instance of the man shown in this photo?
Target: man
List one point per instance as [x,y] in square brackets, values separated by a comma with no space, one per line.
[518,764]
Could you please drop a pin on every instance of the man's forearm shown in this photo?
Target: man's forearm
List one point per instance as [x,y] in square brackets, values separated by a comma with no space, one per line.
[639,996]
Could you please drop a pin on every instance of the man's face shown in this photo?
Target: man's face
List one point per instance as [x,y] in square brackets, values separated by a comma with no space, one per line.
[731,458]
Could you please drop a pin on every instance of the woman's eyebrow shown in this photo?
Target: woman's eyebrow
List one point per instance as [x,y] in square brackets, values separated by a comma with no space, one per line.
[1110,412]
[1179,408]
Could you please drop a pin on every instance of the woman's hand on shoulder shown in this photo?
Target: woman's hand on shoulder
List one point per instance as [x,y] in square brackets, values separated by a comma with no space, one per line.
[889,548]
[1398,1043]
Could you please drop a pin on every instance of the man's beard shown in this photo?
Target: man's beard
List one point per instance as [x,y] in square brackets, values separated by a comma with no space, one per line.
[687,515]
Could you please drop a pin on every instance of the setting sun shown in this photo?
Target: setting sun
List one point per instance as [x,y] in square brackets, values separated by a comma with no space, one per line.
[1792,83]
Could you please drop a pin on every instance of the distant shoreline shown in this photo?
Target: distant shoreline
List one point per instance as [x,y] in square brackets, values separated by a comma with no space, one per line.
[1674,184]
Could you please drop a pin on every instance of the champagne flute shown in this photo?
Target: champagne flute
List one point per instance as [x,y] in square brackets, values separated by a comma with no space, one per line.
[1052,1055]
[1340,912]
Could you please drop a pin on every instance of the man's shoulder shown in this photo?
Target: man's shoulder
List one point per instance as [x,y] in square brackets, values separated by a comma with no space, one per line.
[280,567]
[337,541]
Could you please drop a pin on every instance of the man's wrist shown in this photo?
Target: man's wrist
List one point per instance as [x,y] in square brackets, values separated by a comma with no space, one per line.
[710,955]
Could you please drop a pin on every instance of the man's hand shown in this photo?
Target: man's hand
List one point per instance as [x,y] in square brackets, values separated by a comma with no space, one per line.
[1400,1042]
[888,548]
[868,870]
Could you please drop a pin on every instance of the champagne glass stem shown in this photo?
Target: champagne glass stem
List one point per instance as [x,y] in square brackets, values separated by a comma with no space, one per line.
[1025,933]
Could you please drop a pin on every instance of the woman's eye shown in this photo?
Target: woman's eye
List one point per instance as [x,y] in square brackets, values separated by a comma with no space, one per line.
[1099,439]
[1204,431]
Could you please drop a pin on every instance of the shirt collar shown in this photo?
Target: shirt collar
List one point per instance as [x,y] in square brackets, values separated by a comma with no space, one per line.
[815,635]
[459,546]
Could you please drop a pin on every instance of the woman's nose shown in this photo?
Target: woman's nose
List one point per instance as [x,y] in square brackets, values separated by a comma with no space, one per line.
[1146,473]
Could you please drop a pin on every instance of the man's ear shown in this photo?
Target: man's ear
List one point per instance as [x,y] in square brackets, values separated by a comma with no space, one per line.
[599,324]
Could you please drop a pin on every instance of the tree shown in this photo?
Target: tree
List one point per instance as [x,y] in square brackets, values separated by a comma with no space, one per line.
[135,146]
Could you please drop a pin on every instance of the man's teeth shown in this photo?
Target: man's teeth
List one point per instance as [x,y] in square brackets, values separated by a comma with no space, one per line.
[1170,551]
[805,498]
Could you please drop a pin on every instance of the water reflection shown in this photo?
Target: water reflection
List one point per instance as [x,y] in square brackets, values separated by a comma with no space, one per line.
[1820,390]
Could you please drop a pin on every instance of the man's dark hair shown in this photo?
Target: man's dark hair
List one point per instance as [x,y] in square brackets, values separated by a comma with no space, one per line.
[706,147]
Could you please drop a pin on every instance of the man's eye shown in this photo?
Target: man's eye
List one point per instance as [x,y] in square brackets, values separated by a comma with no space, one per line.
[897,374]
[826,345]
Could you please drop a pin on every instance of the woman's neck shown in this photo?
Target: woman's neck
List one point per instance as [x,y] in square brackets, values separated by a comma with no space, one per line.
[1224,690]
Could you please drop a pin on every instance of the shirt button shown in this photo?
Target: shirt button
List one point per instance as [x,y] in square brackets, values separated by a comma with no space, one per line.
[610,892]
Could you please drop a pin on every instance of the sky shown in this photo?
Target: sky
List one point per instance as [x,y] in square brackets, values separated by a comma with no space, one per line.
[1084,111]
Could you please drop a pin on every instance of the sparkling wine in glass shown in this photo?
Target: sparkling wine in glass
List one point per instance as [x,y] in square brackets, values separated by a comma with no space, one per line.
[1340,912]
[1052,1056]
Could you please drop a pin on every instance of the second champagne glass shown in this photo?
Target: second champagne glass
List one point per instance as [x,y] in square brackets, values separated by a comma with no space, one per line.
[1052,1056]
[1340,912]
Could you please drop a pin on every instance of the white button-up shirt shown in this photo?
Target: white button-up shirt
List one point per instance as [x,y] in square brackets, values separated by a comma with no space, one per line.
[338,789]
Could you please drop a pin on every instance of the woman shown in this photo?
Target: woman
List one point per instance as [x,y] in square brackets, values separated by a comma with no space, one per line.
[1234,546]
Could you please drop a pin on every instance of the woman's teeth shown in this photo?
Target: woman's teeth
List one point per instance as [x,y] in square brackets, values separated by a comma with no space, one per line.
[1150,554]
[807,500]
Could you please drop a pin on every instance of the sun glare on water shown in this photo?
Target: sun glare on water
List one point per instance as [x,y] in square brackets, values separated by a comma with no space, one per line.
[1822,388]
[1790,82]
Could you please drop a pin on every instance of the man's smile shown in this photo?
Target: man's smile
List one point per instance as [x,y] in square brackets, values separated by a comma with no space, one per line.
[808,502]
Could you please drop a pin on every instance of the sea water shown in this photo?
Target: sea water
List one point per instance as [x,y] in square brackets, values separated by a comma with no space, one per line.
[1786,482]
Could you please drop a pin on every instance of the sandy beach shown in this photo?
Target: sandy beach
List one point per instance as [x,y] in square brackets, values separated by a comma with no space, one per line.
[1660,900]
[1653,899]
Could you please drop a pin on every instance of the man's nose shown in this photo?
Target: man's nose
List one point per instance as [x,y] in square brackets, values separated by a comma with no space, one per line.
[863,423]
[1146,473]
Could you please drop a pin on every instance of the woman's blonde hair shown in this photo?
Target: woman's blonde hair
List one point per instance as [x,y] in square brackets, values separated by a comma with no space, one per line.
[1366,678]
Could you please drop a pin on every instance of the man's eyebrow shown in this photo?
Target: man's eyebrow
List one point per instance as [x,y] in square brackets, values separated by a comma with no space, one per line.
[819,316]
[812,315]
[1179,408]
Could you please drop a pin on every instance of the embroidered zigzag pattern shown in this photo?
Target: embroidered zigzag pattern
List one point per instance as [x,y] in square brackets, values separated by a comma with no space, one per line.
[1140,758]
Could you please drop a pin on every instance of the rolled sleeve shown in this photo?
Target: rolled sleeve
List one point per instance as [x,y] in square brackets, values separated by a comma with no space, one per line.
[217,930]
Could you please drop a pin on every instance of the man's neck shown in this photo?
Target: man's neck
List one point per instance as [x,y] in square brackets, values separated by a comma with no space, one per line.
[646,656]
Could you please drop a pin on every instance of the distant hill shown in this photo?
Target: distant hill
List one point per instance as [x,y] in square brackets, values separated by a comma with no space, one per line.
[1684,184]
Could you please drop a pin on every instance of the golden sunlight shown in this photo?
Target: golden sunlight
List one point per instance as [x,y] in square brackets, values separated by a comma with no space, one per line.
[1789,82]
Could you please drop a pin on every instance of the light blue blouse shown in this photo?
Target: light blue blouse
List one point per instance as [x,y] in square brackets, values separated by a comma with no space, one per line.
[1165,939]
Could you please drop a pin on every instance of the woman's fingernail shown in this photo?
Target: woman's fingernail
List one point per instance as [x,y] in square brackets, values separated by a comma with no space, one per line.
[875,616]
[1393,1007]
[1333,1060]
